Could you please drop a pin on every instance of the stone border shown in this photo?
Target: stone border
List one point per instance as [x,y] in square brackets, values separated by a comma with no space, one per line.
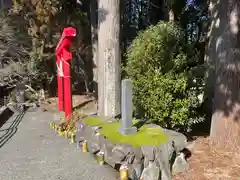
[152,163]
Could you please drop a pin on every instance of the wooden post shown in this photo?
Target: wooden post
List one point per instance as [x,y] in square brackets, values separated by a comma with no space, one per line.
[109,58]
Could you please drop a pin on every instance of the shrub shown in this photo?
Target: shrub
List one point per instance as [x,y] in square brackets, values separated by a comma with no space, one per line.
[165,92]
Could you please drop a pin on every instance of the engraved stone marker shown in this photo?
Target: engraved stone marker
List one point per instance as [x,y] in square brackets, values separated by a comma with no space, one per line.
[127,124]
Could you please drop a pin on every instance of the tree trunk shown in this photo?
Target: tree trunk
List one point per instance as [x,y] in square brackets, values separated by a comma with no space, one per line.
[109,57]
[223,58]
[94,31]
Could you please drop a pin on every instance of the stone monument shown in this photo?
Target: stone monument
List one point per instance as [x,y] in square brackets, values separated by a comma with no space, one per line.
[126,108]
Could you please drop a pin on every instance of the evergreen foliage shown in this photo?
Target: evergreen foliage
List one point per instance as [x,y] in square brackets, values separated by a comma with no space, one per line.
[165,84]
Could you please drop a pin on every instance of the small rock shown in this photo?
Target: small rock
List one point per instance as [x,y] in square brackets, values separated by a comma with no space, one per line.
[138,166]
[164,154]
[151,172]
[180,164]
[149,154]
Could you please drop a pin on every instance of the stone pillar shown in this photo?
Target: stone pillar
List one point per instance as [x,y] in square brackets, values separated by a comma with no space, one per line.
[127,124]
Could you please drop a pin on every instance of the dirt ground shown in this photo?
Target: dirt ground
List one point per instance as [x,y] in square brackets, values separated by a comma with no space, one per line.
[78,101]
[207,163]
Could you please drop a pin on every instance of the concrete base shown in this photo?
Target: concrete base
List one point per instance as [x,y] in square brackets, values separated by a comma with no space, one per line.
[125,131]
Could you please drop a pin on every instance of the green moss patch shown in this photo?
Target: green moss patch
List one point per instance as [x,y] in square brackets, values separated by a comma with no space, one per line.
[144,137]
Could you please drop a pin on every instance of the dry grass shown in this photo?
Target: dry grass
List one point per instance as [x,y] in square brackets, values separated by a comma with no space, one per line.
[83,101]
[79,102]
[70,124]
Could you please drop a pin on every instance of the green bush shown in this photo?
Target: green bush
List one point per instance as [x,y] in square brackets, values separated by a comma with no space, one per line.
[165,92]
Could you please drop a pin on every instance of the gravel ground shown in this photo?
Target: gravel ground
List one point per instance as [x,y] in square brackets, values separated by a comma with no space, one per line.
[35,152]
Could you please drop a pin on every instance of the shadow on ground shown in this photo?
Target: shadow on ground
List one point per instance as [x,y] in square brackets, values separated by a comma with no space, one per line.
[12,129]
[4,116]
